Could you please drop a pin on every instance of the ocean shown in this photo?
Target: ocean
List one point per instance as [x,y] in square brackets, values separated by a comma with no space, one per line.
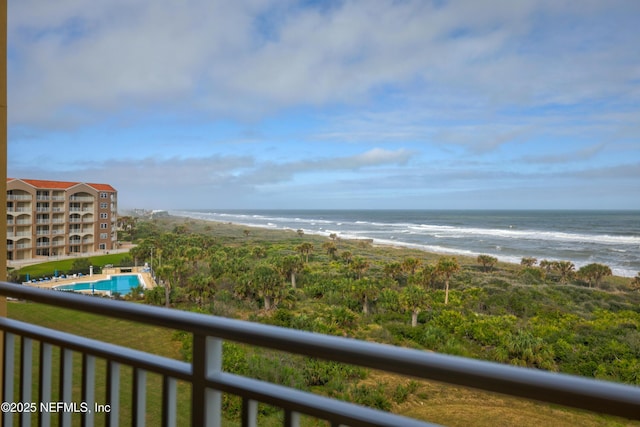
[582,237]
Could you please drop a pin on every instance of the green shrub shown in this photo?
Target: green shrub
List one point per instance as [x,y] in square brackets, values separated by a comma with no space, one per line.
[319,372]
[371,396]
[402,391]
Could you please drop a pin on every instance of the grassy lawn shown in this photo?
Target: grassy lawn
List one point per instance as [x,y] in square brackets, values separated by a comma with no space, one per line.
[138,336]
[48,268]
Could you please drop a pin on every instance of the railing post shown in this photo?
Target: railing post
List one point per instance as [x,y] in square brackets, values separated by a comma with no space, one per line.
[8,367]
[169,401]
[45,382]
[88,388]
[26,377]
[113,393]
[3,173]
[66,383]
[206,405]
[139,397]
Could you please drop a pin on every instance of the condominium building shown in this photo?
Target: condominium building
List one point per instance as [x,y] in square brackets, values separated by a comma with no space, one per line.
[48,218]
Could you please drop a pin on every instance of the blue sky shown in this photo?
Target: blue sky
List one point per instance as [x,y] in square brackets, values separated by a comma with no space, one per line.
[529,104]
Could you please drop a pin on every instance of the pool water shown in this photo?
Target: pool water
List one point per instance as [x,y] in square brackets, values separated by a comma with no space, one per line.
[120,284]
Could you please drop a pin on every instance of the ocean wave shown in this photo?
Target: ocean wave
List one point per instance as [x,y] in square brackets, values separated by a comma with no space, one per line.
[461,232]
[579,248]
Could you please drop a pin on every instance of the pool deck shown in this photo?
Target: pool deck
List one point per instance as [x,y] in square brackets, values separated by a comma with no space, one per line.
[149,283]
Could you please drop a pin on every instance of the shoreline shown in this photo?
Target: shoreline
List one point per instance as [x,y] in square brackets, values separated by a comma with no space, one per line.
[383,243]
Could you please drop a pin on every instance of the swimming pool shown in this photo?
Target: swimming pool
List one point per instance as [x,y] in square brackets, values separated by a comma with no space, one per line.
[120,284]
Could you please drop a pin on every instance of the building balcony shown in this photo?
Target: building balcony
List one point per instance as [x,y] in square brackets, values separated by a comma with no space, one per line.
[81,199]
[19,234]
[19,197]
[26,210]
[209,382]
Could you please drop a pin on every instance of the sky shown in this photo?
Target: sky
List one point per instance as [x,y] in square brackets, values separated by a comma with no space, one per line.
[367,104]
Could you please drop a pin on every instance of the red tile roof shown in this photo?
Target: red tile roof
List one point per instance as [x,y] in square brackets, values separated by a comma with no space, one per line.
[62,185]
[102,187]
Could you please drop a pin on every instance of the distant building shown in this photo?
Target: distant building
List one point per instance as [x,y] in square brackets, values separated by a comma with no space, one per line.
[47,218]
[159,214]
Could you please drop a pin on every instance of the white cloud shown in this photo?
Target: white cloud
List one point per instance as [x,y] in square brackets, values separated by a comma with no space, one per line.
[418,90]
[566,157]
[71,60]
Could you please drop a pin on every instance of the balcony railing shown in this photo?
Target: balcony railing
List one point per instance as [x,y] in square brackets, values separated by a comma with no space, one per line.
[19,197]
[208,381]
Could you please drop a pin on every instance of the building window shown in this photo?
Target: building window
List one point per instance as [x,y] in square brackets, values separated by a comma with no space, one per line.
[104,225]
[104,215]
[103,235]
[103,205]
[103,246]
[103,195]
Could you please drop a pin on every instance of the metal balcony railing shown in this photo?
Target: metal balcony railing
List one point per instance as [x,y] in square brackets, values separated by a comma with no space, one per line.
[208,381]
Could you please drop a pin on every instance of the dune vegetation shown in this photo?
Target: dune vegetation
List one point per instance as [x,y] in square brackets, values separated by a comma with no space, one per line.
[540,314]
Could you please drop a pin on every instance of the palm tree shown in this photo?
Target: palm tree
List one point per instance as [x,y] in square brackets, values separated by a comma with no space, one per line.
[528,262]
[171,274]
[200,288]
[427,276]
[446,267]
[565,268]
[635,283]
[192,253]
[393,270]
[266,282]
[410,265]
[594,273]
[414,299]
[487,262]
[305,249]
[259,252]
[365,290]
[288,267]
[346,256]
[359,266]
[331,248]
[546,266]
